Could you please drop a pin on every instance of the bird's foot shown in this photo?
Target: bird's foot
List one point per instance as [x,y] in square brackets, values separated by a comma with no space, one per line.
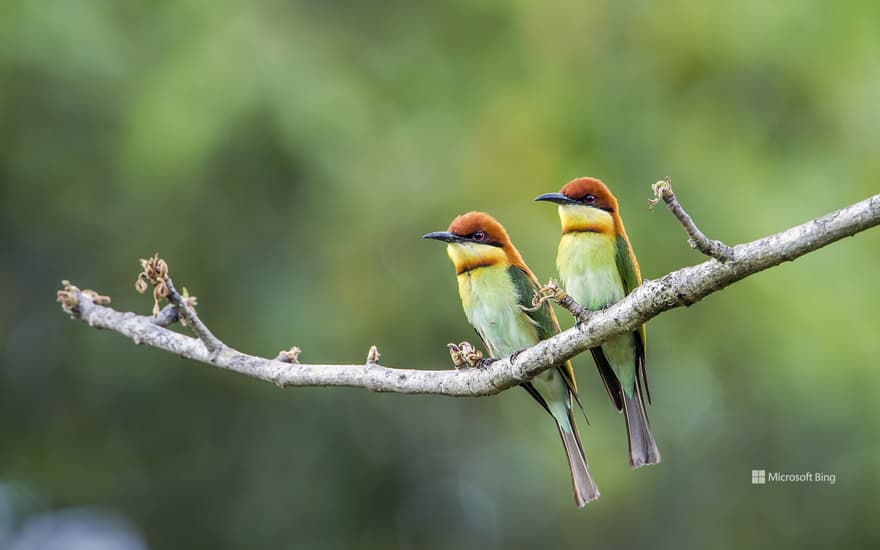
[484,362]
[515,354]
[584,315]
[465,355]
[583,319]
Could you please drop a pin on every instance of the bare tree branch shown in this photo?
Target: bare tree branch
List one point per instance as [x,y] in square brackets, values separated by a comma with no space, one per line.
[696,238]
[679,288]
[155,270]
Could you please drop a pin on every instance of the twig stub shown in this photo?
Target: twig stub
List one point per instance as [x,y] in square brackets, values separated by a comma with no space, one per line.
[696,238]
[69,296]
[373,356]
[289,356]
[69,299]
[552,291]
[153,271]
[464,355]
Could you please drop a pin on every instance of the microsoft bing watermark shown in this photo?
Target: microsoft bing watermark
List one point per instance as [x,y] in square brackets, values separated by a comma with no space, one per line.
[762,477]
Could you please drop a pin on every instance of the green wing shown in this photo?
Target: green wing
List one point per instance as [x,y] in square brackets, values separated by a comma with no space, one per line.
[628,268]
[542,318]
[627,265]
[526,288]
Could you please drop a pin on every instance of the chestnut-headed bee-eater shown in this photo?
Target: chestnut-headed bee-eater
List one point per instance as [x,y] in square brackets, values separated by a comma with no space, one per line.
[496,289]
[598,268]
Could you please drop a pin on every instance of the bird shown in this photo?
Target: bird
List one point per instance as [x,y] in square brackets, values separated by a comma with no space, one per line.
[497,289]
[597,268]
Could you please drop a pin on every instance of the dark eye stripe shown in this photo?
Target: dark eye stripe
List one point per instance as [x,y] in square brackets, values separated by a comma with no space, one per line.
[481,237]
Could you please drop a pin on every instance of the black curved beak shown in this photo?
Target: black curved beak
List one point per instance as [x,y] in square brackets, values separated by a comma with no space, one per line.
[558,198]
[444,236]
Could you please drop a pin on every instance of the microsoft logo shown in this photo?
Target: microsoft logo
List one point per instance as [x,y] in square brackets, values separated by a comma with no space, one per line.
[763,477]
[759,477]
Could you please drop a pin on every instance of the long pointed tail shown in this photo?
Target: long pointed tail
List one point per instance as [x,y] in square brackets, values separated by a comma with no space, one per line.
[642,447]
[585,489]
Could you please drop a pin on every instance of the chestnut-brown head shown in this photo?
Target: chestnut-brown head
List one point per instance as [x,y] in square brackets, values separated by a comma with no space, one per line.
[586,205]
[476,240]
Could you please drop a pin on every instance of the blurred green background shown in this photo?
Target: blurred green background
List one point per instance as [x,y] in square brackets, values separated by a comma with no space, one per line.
[286,157]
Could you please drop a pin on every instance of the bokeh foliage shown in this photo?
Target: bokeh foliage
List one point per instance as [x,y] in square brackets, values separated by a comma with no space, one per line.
[285,158]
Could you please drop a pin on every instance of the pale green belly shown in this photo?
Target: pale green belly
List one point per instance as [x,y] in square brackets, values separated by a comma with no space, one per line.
[492,308]
[588,268]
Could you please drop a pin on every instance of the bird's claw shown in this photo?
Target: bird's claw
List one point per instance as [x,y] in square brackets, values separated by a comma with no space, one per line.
[582,319]
[585,314]
[483,362]
[465,355]
[515,354]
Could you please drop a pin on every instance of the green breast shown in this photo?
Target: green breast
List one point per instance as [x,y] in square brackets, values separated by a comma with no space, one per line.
[490,303]
[587,266]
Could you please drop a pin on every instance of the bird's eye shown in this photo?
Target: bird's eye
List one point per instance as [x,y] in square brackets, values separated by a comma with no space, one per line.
[590,199]
[479,236]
